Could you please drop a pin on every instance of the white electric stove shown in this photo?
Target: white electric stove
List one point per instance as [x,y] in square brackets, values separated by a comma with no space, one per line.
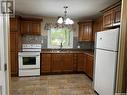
[29,60]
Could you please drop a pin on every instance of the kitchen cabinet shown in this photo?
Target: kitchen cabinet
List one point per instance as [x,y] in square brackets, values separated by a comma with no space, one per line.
[14,63]
[15,24]
[80,62]
[31,26]
[108,19]
[117,15]
[85,31]
[112,16]
[67,64]
[97,26]
[15,44]
[75,62]
[62,62]
[13,41]
[57,62]
[46,63]
[89,65]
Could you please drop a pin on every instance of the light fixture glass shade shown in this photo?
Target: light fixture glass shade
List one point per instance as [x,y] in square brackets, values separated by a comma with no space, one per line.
[60,20]
[71,21]
[68,21]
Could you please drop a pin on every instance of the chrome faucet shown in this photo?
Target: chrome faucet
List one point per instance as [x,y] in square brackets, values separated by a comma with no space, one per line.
[61,45]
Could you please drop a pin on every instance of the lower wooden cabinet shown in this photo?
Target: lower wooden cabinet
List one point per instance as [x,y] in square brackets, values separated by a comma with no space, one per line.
[89,66]
[62,63]
[80,62]
[45,63]
[14,63]
[67,63]
[56,65]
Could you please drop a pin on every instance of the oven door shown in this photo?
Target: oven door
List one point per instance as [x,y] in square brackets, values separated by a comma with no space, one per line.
[29,60]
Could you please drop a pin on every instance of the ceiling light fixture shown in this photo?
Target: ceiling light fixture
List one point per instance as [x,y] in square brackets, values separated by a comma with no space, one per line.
[65,20]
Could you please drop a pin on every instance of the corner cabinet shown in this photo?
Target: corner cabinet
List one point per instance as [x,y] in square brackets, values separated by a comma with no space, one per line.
[85,31]
[31,26]
[112,16]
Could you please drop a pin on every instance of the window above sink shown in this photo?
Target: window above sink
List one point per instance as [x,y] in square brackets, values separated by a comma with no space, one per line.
[60,38]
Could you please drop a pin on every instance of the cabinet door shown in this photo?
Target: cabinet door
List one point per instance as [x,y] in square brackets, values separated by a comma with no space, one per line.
[89,66]
[80,62]
[14,63]
[13,25]
[84,68]
[80,35]
[13,41]
[117,15]
[108,19]
[36,28]
[67,62]
[56,63]
[45,63]
[26,27]
[75,62]
[85,31]
[97,26]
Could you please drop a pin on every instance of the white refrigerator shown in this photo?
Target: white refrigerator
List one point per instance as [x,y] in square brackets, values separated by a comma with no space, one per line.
[106,50]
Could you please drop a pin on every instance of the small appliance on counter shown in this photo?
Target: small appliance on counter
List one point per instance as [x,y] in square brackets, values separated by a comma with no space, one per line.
[29,60]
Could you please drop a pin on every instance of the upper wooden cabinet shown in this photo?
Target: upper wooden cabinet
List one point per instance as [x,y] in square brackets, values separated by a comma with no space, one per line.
[15,24]
[97,26]
[108,19]
[112,15]
[31,26]
[85,31]
[117,15]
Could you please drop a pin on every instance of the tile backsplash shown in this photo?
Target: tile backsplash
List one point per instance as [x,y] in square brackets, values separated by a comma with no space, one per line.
[35,39]
[31,39]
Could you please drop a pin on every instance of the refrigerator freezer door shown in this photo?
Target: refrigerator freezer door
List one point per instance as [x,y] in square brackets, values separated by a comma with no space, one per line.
[108,39]
[105,68]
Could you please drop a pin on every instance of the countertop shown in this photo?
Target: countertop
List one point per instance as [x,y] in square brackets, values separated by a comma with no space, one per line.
[89,52]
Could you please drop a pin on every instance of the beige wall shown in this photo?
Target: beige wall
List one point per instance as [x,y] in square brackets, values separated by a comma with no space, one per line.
[54,20]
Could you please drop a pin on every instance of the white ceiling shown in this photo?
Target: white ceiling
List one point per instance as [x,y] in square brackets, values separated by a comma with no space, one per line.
[53,8]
